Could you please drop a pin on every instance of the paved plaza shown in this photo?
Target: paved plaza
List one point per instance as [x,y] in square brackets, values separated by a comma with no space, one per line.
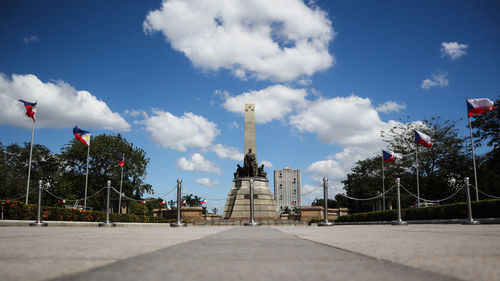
[355,252]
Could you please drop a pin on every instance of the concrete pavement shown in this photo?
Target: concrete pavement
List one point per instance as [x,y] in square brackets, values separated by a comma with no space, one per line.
[468,252]
[415,252]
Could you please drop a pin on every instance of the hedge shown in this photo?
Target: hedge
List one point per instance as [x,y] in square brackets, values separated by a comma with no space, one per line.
[15,210]
[481,209]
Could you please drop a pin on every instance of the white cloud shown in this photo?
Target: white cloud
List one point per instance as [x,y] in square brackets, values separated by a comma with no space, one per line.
[233,125]
[391,106]
[32,39]
[273,102]
[278,40]
[453,49]
[198,163]
[180,133]
[227,152]
[135,113]
[266,163]
[59,105]
[438,78]
[207,182]
[350,122]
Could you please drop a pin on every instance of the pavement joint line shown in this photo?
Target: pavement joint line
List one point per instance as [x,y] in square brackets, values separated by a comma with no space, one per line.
[118,260]
[367,256]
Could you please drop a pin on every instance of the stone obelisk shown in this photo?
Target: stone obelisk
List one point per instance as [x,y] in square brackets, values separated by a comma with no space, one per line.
[250,137]
[238,199]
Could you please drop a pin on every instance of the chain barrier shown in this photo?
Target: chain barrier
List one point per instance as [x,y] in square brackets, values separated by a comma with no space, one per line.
[367,199]
[76,200]
[431,200]
[304,193]
[138,200]
[484,193]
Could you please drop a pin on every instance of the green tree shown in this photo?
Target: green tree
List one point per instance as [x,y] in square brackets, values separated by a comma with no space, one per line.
[105,152]
[14,169]
[192,200]
[444,160]
[486,132]
[365,181]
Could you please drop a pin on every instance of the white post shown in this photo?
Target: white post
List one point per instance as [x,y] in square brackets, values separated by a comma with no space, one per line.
[86,178]
[474,160]
[29,164]
[383,183]
[418,184]
[121,184]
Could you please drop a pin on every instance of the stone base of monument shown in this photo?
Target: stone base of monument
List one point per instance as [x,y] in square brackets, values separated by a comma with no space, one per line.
[238,200]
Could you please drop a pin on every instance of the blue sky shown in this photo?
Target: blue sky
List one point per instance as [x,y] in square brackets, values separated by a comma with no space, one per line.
[172,78]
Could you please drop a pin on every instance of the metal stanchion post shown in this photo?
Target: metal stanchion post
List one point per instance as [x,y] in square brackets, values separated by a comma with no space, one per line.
[252,222]
[325,205]
[179,222]
[38,220]
[469,207]
[399,221]
[107,223]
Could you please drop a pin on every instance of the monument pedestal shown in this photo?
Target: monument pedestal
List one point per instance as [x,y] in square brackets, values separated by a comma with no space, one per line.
[238,200]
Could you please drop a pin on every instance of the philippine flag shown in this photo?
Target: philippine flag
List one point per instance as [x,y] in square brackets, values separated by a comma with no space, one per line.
[30,109]
[81,135]
[62,201]
[422,139]
[183,203]
[142,202]
[162,202]
[122,161]
[478,106]
[388,156]
[204,201]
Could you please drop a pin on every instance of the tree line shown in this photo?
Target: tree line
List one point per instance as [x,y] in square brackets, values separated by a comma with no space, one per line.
[64,173]
[442,167]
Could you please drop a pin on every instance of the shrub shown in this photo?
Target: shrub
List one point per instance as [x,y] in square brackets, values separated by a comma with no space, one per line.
[481,209]
[19,211]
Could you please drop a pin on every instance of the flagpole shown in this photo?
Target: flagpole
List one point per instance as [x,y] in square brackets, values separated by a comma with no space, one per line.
[29,164]
[474,160]
[383,182]
[121,184]
[86,177]
[418,185]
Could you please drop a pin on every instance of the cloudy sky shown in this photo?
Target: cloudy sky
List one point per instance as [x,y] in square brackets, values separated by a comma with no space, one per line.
[173,76]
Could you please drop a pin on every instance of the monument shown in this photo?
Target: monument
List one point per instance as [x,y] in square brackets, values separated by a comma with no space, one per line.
[238,199]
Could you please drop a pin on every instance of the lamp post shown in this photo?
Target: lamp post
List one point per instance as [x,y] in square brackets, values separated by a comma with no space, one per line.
[325,222]
[399,221]
[178,222]
[38,220]
[469,220]
[252,222]
[107,223]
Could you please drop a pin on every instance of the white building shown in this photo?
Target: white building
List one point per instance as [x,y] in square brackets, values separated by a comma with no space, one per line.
[287,188]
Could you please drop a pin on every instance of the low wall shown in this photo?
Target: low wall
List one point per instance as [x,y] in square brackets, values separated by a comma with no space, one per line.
[187,213]
[309,212]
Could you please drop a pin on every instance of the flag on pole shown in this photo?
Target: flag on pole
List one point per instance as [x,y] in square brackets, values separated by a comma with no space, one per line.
[203,201]
[81,135]
[478,106]
[30,109]
[183,203]
[162,202]
[122,161]
[388,156]
[142,202]
[422,139]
